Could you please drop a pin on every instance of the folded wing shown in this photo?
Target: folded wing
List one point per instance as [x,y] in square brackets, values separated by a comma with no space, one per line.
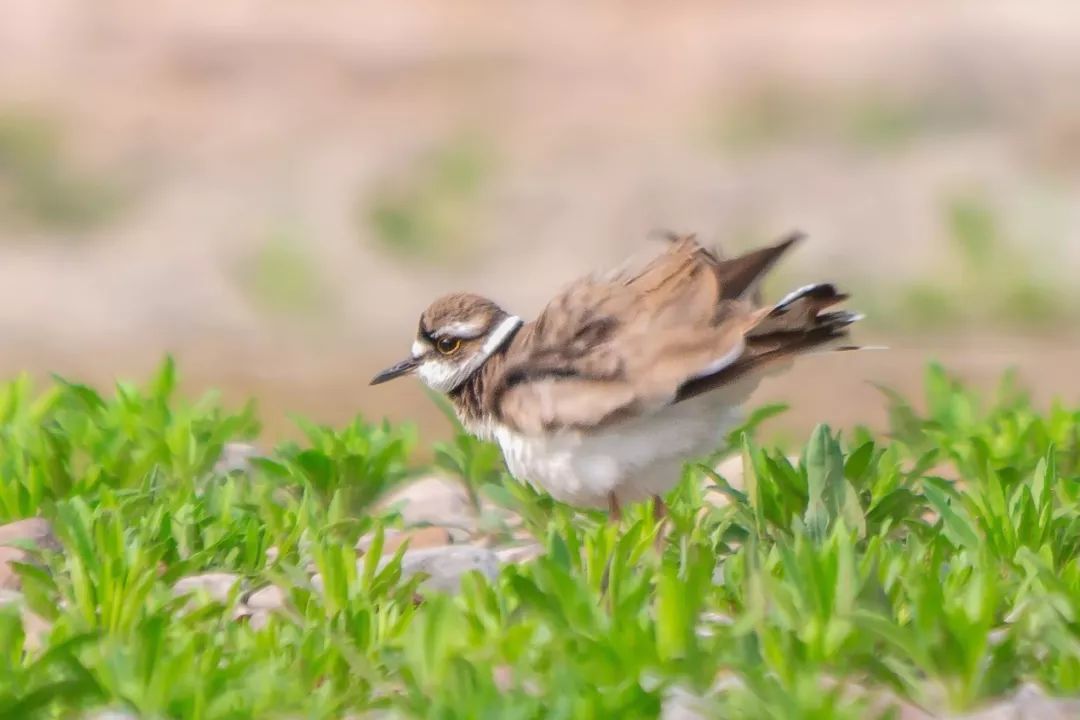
[629,344]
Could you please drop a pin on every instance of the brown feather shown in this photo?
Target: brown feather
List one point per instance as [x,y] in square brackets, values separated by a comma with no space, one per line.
[741,276]
[606,349]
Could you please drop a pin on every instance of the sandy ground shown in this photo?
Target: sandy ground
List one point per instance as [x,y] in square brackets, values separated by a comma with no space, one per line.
[331,386]
[234,120]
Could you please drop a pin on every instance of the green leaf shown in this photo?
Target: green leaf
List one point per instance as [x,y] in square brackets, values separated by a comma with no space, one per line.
[831,496]
[958,527]
[859,461]
[752,480]
[673,623]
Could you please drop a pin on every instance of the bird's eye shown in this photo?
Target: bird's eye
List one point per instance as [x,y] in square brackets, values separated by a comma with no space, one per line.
[448,345]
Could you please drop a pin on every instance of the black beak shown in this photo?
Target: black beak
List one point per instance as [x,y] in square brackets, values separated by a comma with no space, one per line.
[402,368]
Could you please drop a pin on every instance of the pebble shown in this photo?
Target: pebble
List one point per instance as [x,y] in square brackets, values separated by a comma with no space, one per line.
[34,626]
[432,500]
[420,538]
[216,585]
[1029,703]
[270,597]
[9,578]
[446,565]
[682,704]
[443,565]
[236,457]
[111,715]
[515,554]
[35,531]
[731,469]
[258,619]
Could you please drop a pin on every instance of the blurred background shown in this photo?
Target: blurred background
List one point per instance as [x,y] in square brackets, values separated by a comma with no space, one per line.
[273,191]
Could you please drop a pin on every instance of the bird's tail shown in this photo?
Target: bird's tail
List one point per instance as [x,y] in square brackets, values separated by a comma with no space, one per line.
[802,323]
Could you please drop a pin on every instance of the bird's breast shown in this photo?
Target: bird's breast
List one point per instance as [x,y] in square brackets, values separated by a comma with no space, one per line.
[632,459]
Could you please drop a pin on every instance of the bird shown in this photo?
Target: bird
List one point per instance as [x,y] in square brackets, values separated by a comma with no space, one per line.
[625,375]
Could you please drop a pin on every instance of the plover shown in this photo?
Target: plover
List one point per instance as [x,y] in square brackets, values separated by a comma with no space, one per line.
[623,377]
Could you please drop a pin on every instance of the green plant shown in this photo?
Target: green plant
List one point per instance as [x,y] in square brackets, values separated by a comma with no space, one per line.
[282,277]
[938,565]
[430,210]
[40,186]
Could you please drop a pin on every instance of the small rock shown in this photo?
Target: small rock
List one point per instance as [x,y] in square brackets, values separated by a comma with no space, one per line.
[503,677]
[883,701]
[459,535]
[111,715]
[9,578]
[270,597]
[908,711]
[446,565]
[709,621]
[519,553]
[429,537]
[1029,703]
[418,539]
[364,543]
[435,500]
[682,704]
[507,680]
[216,585]
[35,628]
[259,619]
[236,457]
[30,531]
[255,618]
[731,469]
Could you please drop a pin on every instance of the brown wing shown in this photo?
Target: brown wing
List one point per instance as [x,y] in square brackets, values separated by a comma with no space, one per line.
[604,350]
[794,326]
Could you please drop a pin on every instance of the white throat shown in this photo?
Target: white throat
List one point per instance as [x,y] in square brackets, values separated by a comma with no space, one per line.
[443,376]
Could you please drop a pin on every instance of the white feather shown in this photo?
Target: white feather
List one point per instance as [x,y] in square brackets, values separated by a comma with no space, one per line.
[795,295]
[466,330]
[443,375]
[633,460]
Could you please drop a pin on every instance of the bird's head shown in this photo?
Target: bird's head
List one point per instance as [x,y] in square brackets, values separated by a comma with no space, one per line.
[456,335]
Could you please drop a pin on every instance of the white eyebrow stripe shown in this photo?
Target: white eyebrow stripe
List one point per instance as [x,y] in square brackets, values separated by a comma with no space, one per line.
[464,330]
[442,375]
[500,335]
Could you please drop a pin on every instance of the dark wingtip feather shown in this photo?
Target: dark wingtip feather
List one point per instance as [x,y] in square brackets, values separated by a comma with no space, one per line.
[792,237]
[741,276]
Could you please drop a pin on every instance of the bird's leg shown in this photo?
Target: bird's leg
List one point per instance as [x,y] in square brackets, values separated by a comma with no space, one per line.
[660,513]
[615,516]
[614,510]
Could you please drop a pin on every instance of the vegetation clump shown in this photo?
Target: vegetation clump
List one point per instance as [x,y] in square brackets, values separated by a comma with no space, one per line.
[936,567]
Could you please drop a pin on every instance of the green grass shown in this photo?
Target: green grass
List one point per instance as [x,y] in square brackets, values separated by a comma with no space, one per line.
[429,210]
[863,119]
[282,278]
[39,185]
[822,589]
[986,280]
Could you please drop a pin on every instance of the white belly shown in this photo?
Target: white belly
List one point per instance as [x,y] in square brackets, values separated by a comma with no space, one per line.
[633,460]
